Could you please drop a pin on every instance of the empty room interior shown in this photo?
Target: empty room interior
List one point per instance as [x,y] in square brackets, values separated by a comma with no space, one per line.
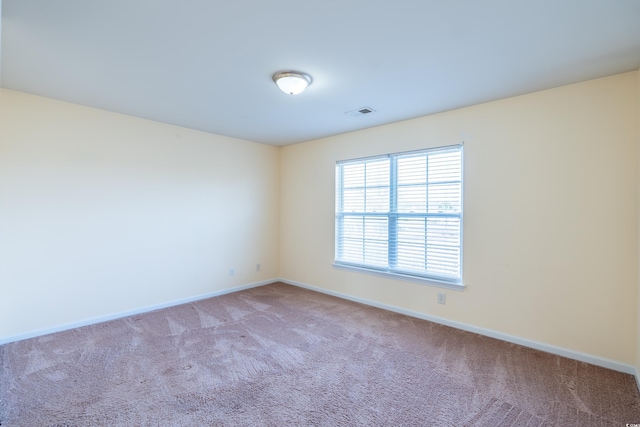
[149,160]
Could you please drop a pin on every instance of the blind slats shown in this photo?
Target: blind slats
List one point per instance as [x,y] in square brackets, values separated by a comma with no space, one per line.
[402,213]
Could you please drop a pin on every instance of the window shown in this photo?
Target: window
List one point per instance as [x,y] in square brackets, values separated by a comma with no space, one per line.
[402,214]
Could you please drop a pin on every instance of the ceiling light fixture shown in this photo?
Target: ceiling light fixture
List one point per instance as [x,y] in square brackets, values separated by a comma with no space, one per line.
[292,82]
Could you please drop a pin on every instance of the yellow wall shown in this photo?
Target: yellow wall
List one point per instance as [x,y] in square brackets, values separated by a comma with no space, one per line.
[551,215]
[102,213]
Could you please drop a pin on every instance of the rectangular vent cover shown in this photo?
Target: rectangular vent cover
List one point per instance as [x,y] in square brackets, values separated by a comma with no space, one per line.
[360,111]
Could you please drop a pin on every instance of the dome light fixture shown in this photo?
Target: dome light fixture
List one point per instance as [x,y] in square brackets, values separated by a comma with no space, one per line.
[292,82]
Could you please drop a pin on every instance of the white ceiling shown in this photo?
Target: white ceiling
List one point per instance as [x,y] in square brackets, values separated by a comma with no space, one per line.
[207,64]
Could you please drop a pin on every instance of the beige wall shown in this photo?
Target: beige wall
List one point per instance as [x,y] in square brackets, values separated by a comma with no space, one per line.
[102,213]
[551,216]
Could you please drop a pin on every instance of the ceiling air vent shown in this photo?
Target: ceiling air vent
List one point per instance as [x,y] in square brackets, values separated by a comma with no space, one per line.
[360,111]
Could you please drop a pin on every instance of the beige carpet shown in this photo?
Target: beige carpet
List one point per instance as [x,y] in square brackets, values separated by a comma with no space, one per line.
[278,355]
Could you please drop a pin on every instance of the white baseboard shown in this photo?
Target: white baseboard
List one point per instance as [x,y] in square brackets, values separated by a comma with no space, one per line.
[100,319]
[571,354]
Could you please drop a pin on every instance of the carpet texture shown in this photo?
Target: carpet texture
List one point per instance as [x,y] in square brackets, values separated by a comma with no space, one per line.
[278,355]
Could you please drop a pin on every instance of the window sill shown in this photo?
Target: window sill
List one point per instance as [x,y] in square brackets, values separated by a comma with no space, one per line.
[405,277]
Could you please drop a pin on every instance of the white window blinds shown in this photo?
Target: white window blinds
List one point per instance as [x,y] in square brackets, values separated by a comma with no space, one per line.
[402,213]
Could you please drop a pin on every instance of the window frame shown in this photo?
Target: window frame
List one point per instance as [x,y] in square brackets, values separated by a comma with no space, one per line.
[392,216]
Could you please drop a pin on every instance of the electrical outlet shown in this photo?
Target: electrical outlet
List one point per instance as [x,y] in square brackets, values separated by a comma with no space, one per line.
[258,267]
[442,298]
[232,272]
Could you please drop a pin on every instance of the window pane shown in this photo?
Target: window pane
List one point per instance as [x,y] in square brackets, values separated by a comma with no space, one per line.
[444,198]
[353,200]
[353,227]
[352,250]
[443,261]
[377,173]
[412,183]
[364,240]
[376,229]
[443,231]
[375,253]
[353,175]
[412,169]
[377,199]
[412,198]
[445,166]
[429,245]
[375,241]
[365,186]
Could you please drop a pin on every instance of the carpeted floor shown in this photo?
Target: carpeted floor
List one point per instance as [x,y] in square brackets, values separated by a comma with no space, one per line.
[278,355]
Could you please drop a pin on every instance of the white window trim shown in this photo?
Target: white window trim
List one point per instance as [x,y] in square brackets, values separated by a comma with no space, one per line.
[446,283]
[456,286]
